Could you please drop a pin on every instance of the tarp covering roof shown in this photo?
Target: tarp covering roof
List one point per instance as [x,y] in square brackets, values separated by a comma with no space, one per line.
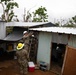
[66,30]
[16,35]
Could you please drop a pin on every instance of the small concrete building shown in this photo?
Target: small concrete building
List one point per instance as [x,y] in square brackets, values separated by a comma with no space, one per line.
[54,45]
[62,60]
[8,41]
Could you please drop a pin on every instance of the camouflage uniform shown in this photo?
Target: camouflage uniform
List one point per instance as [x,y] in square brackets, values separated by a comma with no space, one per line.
[26,39]
[26,42]
[22,56]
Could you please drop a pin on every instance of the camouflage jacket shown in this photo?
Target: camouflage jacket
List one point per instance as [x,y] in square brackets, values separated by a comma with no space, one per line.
[22,55]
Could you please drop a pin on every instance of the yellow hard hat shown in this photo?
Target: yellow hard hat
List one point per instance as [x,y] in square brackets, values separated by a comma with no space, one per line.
[20,46]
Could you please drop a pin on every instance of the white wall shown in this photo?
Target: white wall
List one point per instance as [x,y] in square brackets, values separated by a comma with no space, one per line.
[2,30]
[44,46]
[72,41]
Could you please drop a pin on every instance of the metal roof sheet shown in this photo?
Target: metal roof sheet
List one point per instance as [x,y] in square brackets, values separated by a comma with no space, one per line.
[25,24]
[66,30]
[16,35]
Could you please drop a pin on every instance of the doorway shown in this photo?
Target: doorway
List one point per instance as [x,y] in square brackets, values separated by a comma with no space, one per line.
[57,57]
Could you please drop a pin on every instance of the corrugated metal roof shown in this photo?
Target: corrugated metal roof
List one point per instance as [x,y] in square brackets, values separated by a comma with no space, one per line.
[66,30]
[26,24]
[13,36]
[16,35]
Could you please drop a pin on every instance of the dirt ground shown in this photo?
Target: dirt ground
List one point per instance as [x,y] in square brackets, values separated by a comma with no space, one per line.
[10,67]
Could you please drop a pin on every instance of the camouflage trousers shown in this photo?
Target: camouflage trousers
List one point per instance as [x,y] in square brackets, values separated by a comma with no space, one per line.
[23,67]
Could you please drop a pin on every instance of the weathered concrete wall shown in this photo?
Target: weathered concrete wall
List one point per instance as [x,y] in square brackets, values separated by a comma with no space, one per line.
[72,41]
[44,45]
[2,30]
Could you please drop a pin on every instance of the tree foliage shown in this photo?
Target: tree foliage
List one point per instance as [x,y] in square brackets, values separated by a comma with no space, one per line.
[71,22]
[40,15]
[8,12]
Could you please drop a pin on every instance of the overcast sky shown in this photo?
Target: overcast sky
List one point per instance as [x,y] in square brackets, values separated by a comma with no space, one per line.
[56,9]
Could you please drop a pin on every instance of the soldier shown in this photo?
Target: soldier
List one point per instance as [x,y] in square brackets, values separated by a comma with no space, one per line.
[26,39]
[22,56]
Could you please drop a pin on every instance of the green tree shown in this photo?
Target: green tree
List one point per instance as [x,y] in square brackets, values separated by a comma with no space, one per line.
[8,6]
[40,15]
[71,22]
[57,24]
[68,25]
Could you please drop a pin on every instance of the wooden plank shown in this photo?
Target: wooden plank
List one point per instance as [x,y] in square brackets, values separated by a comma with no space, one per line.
[69,67]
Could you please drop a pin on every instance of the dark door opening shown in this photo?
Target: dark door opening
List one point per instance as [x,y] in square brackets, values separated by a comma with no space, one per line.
[57,57]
